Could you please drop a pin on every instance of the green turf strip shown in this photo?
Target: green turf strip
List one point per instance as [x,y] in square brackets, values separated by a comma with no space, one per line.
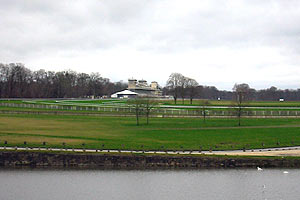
[161,133]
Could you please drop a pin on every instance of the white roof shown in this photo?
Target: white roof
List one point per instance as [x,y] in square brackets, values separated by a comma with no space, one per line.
[125,92]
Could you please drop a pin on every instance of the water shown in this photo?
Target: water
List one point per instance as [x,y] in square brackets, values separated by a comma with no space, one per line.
[242,184]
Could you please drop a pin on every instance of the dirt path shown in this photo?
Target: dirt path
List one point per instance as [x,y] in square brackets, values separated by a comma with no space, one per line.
[280,152]
[261,153]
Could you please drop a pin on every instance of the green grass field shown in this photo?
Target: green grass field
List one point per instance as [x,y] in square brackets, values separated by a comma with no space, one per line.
[229,103]
[160,102]
[161,133]
[115,106]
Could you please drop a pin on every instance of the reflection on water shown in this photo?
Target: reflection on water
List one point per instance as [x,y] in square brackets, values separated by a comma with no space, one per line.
[159,184]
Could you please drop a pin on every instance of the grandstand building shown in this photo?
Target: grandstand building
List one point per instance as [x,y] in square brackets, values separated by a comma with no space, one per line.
[142,88]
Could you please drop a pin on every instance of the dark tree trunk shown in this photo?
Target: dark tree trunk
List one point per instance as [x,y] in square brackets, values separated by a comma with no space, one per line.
[137,117]
[147,115]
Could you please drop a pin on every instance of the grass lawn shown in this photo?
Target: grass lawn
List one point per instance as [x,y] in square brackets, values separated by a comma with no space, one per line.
[161,102]
[161,133]
[229,103]
[89,106]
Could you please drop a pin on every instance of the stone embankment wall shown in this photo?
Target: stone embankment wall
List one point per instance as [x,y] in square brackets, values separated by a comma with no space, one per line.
[37,159]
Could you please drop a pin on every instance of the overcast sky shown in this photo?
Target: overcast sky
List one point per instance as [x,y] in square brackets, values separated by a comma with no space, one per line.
[216,42]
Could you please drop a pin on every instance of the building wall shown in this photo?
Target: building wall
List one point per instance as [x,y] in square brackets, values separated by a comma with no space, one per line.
[132,83]
[142,88]
[154,85]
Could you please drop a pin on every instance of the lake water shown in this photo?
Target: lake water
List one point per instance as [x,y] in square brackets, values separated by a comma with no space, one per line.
[242,184]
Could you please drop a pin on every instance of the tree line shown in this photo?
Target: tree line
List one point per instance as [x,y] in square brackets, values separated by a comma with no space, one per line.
[17,81]
[180,86]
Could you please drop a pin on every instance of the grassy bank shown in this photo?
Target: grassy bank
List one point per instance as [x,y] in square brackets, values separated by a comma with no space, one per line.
[196,102]
[161,133]
[229,103]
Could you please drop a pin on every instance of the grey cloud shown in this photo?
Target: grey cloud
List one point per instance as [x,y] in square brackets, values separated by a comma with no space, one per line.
[224,26]
[44,27]
[105,24]
[32,26]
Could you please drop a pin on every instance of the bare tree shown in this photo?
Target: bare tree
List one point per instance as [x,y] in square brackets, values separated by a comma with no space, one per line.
[142,106]
[174,83]
[242,94]
[203,108]
[148,105]
[82,81]
[182,87]
[192,88]
[4,75]
[137,104]
[18,81]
